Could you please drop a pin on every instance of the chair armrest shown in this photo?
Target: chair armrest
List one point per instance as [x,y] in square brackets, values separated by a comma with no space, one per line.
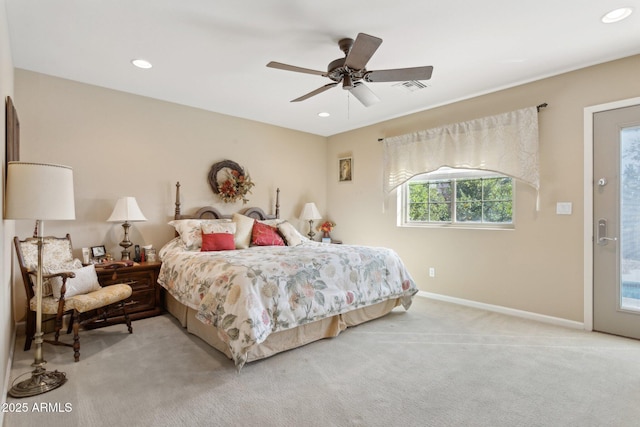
[63,274]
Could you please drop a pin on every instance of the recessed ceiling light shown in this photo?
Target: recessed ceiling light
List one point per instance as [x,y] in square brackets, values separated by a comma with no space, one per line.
[617,15]
[324,114]
[141,63]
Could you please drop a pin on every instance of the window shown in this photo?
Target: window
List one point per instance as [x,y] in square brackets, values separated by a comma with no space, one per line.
[457,197]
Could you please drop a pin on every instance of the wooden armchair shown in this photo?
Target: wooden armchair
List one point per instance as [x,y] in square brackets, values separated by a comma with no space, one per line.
[68,288]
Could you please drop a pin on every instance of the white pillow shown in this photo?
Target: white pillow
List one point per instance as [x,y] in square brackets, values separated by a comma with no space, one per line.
[219,227]
[290,234]
[86,281]
[190,230]
[244,228]
[47,288]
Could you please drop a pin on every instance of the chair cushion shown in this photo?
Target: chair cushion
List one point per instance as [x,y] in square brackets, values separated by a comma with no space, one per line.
[86,302]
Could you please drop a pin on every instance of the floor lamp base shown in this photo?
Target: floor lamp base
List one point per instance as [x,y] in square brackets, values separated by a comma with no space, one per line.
[41,381]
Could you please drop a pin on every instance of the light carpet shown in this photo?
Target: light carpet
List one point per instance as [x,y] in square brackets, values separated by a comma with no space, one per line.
[438,364]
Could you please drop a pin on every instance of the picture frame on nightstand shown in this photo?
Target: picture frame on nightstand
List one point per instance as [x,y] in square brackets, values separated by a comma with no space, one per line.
[98,252]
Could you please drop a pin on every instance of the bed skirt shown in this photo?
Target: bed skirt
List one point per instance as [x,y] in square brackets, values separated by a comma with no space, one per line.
[282,340]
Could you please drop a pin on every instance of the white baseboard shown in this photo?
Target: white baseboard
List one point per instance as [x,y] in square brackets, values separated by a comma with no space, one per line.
[505,310]
[7,374]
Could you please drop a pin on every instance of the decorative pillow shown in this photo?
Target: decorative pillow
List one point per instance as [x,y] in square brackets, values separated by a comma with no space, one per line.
[290,234]
[47,284]
[190,230]
[272,222]
[265,235]
[217,242]
[86,281]
[244,227]
[219,227]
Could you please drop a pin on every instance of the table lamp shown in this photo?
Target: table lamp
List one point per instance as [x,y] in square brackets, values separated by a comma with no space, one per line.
[309,213]
[126,210]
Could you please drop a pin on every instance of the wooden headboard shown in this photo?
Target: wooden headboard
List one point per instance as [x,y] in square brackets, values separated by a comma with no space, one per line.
[209,212]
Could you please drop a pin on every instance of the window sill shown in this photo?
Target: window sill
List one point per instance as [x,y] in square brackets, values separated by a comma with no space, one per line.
[461,226]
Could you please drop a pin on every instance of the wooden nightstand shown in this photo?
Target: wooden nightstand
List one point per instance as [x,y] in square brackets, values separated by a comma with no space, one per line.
[145,300]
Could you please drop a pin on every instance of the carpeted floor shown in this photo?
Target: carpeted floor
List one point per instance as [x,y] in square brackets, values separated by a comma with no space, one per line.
[438,364]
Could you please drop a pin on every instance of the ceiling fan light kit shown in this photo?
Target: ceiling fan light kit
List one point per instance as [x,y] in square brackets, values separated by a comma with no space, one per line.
[351,70]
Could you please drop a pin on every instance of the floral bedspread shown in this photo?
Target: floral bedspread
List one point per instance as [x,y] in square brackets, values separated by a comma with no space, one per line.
[249,293]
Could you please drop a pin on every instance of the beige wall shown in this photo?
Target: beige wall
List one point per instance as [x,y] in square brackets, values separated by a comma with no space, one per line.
[126,145]
[537,267]
[6,227]
[121,144]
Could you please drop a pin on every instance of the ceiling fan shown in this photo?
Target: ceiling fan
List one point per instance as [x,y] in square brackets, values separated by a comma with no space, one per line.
[351,70]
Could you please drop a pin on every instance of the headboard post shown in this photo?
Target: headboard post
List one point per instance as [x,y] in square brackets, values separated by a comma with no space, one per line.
[278,203]
[177,213]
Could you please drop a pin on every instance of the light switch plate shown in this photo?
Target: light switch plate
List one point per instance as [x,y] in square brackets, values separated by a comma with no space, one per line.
[564,208]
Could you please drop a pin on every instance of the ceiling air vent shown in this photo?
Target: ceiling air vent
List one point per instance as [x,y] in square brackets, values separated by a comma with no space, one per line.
[410,86]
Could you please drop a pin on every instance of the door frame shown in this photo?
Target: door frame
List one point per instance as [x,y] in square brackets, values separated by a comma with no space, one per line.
[588,201]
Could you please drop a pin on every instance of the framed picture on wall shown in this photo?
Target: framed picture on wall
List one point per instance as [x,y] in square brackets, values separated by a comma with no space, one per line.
[345,168]
[12,134]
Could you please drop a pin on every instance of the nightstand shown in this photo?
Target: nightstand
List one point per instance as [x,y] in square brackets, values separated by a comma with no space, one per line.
[333,241]
[145,299]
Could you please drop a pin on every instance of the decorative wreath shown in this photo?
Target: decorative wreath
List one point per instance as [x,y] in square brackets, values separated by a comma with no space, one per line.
[229,181]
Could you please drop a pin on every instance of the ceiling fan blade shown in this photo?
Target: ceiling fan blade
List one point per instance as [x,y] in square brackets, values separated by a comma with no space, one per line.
[362,50]
[315,92]
[399,74]
[364,94]
[281,66]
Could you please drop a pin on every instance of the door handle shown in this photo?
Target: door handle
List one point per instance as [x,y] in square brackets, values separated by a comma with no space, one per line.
[602,233]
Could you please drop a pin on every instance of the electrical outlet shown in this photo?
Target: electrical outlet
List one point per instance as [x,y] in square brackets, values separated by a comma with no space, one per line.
[432,272]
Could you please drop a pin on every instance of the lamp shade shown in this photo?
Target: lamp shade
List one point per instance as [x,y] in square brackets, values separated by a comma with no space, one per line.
[127,210]
[39,191]
[310,211]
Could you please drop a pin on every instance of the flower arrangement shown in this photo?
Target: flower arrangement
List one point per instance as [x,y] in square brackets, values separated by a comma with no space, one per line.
[235,187]
[326,227]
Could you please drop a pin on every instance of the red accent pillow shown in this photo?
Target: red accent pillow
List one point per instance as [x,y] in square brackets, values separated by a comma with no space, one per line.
[217,242]
[265,235]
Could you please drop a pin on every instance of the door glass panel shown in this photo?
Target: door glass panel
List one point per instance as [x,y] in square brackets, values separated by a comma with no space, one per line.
[630,218]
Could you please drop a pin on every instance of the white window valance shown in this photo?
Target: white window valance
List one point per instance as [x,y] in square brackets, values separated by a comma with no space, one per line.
[506,143]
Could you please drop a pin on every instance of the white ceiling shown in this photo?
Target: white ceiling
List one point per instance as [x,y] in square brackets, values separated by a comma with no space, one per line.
[213,54]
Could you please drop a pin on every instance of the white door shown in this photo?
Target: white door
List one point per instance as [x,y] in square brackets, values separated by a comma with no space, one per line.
[616,215]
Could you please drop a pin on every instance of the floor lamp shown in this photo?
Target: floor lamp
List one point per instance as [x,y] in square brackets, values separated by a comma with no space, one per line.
[39,191]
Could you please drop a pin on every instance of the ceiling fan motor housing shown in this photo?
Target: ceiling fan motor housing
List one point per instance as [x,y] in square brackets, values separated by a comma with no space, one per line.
[336,71]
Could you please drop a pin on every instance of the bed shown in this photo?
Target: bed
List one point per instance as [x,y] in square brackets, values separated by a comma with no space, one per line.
[250,285]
